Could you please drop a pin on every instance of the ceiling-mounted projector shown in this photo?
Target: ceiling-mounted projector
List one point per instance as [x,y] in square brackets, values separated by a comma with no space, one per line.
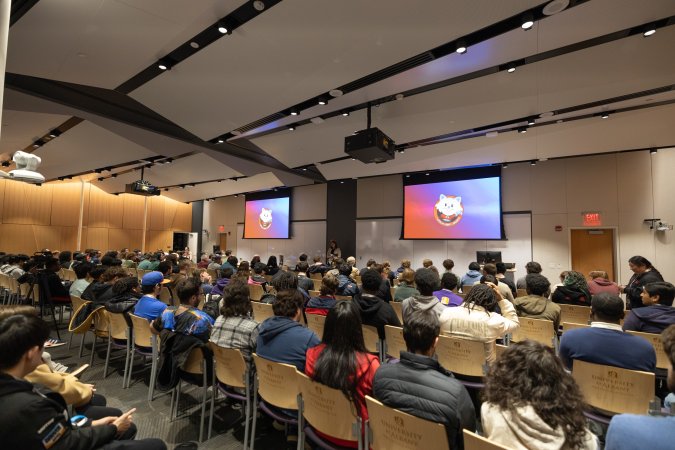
[370,146]
[26,166]
[141,187]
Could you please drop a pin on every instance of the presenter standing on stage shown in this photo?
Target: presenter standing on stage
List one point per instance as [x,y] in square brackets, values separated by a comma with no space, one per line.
[333,251]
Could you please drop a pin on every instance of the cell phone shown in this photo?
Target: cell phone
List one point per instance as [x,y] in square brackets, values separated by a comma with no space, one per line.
[78,421]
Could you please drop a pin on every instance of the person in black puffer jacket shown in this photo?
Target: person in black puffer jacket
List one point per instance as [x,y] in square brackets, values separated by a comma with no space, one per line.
[420,386]
[643,273]
[125,294]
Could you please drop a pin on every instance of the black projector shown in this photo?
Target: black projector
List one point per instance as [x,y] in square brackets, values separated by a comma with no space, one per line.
[370,146]
[141,187]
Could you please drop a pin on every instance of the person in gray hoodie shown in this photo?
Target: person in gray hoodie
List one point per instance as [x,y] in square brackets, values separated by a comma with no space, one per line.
[472,276]
[658,313]
[427,282]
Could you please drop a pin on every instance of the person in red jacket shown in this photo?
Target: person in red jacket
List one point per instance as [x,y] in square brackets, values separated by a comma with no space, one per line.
[342,362]
[600,283]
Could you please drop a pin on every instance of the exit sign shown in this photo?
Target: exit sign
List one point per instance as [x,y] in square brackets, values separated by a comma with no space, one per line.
[592,219]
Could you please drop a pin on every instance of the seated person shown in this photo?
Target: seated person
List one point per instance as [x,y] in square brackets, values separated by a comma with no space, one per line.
[96,283]
[341,361]
[574,290]
[501,277]
[346,285]
[536,303]
[541,408]
[658,313]
[282,338]
[257,277]
[304,282]
[283,280]
[631,431]
[34,417]
[472,276]
[530,267]
[418,385]
[600,283]
[186,318]
[216,264]
[326,300]
[405,264]
[102,292]
[149,306]
[222,282]
[384,291]
[477,319]
[82,273]
[204,278]
[13,269]
[235,328]
[427,282]
[318,266]
[504,289]
[58,291]
[446,295]
[374,310]
[605,342]
[124,296]
[406,286]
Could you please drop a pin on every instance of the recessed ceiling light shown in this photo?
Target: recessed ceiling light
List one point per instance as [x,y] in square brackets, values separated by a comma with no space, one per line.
[353,159]
[335,92]
[291,128]
[322,101]
[511,68]
[528,21]
[163,65]
[407,175]
[505,165]
[555,7]
[522,130]
[294,112]
[222,27]
[259,5]
[345,113]
[304,169]
[194,44]
[530,121]
[649,32]
[427,174]
[460,47]
[114,175]
[533,162]
[652,151]
[604,115]
[219,141]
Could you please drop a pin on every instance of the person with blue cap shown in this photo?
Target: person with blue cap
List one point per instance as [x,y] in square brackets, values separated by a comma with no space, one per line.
[149,306]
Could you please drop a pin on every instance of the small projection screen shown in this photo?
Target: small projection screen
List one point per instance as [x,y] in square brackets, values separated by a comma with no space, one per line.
[454,204]
[268,215]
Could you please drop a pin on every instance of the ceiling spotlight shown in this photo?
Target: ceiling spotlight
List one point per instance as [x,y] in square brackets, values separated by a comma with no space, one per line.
[353,159]
[530,121]
[54,133]
[304,169]
[505,165]
[219,141]
[323,101]
[342,182]
[604,115]
[402,151]
[345,113]
[335,92]
[511,68]
[98,171]
[182,186]
[427,174]
[649,31]
[101,179]
[259,5]
[407,175]
[168,160]
[653,151]
[166,189]
[460,47]
[291,128]
[522,130]
[38,143]
[164,64]
[236,195]
[222,27]
[294,112]
[114,175]
[528,21]
[533,162]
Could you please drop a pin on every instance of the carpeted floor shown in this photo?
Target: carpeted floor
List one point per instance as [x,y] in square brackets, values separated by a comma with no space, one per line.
[153,418]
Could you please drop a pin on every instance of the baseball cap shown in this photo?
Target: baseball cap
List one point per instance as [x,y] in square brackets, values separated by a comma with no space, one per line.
[152,278]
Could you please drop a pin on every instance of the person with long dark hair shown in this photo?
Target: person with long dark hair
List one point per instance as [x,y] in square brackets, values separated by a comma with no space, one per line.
[333,251]
[272,267]
[541,408]
[643,273]
[342,362]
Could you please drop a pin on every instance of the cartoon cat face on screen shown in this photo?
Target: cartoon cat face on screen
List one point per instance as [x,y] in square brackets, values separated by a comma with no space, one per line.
[448,210]
[265,218]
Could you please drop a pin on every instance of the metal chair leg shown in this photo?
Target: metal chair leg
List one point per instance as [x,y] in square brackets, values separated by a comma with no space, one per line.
[107,358]
[93,350]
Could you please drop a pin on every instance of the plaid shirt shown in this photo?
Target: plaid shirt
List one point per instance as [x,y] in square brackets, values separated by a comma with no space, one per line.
[236,332]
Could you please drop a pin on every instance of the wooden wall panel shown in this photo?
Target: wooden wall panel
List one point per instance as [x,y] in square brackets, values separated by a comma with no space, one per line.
[66,204]
[96,238]
[69,239]
[99,208]
[124,238]
[85,208]
[156,240]
[16,238]
[156,206]
[46,237]
[183,219]
[2,197]
[26,203]
[133,211]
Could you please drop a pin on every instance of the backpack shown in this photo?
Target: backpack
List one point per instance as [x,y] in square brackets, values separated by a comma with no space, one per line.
[212,305]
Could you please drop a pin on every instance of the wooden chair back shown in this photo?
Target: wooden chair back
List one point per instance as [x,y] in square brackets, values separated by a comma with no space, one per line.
[193,364]
[472,441]
[277,383]
[77,303]
[575,314]
[315,276]
[662,361]
[343,298]
[521,293]
[317,283]
[261,311]
[327,409]
[394,429]
[539,330]
[566,326]
[142,335]
[392,291]
[101,322]
[119,330]
[394,340]
[461,356]
[614,390]
[467,288]
[165,295]
[398,309]
[499,349]
[315,322]
[357,278]
[230,366]
[313,293]
[255,292]
[86,324]
[371,338]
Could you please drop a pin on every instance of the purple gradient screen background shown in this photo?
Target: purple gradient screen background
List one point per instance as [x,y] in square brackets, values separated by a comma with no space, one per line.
[279,228]
[482,210]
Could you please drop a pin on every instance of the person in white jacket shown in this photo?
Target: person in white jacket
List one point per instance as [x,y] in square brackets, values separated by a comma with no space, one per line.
[478,320]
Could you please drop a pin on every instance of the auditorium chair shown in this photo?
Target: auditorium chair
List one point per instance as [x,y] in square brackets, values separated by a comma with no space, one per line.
[394,343]
[398,309]
[662,361]
[261,311]
[195,371]
[146,344]
[388,428]
[472,441]
[231,376]
[612,390]
[463,357]
[575,314]
[275,387]
[317,283]
[315,322]
[538,330]
[372,340]
[119,337]
[256,292]
[339,421]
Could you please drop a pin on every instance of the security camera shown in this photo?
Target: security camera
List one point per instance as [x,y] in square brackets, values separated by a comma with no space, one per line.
[663,227]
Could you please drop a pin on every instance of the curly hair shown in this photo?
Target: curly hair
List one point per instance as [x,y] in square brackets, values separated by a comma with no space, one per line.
[543,384]
[124,285]
[112,273]
[236,300]
[481,295]
[329,284]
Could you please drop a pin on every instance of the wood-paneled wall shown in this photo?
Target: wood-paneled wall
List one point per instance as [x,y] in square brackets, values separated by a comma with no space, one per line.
[36,217]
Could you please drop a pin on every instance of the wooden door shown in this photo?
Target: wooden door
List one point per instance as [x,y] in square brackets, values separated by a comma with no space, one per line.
[593,249]
[223,242]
